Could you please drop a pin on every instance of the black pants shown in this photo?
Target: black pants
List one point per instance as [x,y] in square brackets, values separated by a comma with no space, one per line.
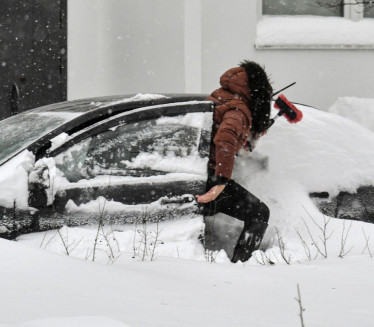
[241,204]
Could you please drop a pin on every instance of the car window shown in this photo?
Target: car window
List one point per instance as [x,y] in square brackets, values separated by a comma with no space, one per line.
[145,148]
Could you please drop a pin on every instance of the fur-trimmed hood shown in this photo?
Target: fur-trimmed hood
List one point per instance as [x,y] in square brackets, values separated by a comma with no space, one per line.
[261,94]
[258,81]
[249,80]
[235,80]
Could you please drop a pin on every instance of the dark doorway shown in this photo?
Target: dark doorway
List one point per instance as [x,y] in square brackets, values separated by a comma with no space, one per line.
[33,52]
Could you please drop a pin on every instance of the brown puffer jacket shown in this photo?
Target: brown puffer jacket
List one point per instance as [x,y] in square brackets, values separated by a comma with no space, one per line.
[232,122]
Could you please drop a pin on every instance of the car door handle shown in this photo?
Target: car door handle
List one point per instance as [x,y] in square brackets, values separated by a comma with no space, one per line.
[179,199]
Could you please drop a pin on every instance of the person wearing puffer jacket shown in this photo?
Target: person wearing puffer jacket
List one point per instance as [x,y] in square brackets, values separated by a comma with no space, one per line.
[241,116]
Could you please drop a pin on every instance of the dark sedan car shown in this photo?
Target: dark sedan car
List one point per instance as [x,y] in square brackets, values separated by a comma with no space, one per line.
[143,156]
[128,159]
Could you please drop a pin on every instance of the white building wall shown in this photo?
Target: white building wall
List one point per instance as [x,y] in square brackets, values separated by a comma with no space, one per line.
[84,48]
[143,46]
[125,46]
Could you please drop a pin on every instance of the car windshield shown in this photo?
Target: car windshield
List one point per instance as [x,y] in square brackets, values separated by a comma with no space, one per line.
[18,132]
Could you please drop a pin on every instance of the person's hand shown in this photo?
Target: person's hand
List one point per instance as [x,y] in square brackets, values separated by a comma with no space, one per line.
[211,195]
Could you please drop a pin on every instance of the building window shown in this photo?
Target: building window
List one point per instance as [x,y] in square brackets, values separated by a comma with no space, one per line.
[302,7]
[351,9]
[315,24]
[369,10]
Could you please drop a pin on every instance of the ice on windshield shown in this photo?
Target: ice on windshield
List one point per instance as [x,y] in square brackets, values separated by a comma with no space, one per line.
[19,131]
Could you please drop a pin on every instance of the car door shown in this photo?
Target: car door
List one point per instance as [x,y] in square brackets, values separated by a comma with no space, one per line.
[147,164]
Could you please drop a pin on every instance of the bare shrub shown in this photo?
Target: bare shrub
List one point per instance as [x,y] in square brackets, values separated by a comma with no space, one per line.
[102,235]
[282,248]
[69,246]
[262,258]
[324,234]
[343,241]
[155,240]
[108,237]
[146,247]
[305,245]
[44,246]
[367,247]
[99,228]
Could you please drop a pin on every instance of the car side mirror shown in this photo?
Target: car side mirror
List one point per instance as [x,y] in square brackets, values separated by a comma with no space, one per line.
[38,182]
[39,177]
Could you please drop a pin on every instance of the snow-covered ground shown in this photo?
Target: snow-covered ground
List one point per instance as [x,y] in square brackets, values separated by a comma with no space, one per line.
[112,277]
[46,289]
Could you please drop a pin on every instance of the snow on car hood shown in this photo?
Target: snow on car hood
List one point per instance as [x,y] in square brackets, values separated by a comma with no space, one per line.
[360,110]
[323,152]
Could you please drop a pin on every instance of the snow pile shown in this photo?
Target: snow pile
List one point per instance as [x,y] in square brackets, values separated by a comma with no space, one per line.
[14,179]
[357,109]
[323,152]
[294,31]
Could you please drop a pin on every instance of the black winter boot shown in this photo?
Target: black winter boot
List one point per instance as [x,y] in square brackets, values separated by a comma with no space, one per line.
[249,241]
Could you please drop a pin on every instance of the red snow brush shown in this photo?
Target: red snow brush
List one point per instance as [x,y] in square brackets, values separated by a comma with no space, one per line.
[288,109]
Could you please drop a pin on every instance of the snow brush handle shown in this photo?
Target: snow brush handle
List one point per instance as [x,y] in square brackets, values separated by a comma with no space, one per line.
[283,89]
[272,121]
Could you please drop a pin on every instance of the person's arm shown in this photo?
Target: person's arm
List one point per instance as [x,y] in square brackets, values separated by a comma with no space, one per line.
[211,195]
[226,143]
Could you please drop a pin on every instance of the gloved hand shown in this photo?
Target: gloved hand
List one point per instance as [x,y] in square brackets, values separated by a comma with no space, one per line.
[211,195]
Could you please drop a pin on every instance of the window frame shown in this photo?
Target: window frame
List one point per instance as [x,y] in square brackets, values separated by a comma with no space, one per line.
[351,13]
[141,115]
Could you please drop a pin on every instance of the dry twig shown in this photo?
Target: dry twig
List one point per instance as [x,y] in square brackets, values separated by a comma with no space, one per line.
[325,235]
[298,300]
[343,241]
[367,239]
[282,248]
